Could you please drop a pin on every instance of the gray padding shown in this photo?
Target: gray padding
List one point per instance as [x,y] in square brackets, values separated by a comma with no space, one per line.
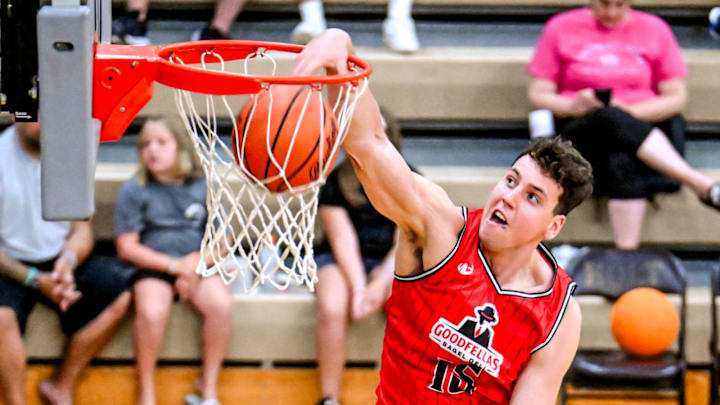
[69,135]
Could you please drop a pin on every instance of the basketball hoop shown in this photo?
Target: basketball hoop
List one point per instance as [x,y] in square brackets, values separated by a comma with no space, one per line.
[262,224]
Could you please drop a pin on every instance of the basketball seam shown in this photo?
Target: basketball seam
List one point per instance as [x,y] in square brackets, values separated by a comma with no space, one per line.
[312,152]
[280,127]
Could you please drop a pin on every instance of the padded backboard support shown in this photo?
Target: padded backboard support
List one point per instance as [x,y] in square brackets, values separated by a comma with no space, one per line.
[70,135]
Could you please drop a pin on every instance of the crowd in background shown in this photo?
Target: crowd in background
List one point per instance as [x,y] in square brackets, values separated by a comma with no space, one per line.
[615,87]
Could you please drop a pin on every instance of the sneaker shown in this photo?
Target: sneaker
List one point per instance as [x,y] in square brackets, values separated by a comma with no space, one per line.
[400,36]
[126,29]
[194,399]
[328,401]
[305,31]
[207,33]
[712,198]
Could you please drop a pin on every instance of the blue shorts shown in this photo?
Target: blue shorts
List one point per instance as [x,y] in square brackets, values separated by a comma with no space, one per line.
[324,259]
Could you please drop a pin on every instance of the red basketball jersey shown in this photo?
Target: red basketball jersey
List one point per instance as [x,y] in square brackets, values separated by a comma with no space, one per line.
[454,336]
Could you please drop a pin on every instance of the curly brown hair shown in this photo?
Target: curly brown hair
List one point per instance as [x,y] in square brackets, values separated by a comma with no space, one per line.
[559,159]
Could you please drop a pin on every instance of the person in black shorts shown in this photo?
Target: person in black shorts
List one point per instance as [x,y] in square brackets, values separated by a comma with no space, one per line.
[355,265]
[42,261]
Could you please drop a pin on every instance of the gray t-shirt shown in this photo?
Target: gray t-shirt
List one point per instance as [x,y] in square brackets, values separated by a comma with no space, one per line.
[170,218]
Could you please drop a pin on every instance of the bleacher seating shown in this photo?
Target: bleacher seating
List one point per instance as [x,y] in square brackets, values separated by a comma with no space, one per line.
[470,3]
[439,83]
[476,83]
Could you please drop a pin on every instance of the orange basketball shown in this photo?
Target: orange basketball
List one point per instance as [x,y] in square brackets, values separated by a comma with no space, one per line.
[301,158]
[644,322]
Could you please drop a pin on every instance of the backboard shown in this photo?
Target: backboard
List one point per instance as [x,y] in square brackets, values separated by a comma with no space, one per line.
[47,65]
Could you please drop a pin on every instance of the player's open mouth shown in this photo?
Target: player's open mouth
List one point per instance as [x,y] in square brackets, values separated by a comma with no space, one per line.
[498,217]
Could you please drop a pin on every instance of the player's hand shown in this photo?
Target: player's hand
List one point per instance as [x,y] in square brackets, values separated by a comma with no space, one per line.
[583,102]
[329,50]
[63,294]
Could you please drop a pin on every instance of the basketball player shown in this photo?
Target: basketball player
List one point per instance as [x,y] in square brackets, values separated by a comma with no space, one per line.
[480,312]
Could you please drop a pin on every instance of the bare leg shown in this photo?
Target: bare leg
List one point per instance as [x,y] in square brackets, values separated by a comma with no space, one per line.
[657,152]
[82,347]
[214,301]
[226,11]
[140,6]
[626,218]
[153,300]
[12,359]
[333,300]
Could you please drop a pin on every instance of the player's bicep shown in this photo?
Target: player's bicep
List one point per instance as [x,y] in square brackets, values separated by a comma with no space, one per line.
[387,179]
[540,382]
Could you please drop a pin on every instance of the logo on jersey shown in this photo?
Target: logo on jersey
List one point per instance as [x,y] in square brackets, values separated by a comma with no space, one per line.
[465,269]
[471,341]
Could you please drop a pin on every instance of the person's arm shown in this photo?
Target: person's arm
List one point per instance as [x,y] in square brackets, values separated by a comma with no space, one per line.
[60,293]
[540,382]
[670,101]
[380,285]
[343,240]
[131,250]
[410,201]
[76,249]
[543,94]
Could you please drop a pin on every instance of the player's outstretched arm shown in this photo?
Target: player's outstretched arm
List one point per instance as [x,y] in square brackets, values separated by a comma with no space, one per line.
[540,382]
[405,198]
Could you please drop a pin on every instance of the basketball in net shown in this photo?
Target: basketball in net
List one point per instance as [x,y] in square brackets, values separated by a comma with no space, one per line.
[263,180]
[285,137]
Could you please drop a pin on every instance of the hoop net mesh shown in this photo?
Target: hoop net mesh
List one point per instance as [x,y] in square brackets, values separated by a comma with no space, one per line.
[252,233]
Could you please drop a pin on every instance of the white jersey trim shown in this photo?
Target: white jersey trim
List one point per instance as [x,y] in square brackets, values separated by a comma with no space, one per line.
[544,251]
[447,258]
[568,294]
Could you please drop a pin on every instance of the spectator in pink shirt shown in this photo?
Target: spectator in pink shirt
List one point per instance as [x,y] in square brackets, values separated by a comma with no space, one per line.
[637,138]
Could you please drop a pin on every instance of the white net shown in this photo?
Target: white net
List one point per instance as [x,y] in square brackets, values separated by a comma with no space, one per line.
[254,234]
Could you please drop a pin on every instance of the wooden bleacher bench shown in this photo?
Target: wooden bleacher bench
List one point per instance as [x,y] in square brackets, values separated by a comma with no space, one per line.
[280,327]
[476,83]
[468,3]
[681,219]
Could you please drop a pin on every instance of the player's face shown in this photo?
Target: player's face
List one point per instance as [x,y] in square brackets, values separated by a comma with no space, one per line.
[158,151]
[610,13]
[520,208]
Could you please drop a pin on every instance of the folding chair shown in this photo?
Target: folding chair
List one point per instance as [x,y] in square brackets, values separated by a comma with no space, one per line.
[609,273]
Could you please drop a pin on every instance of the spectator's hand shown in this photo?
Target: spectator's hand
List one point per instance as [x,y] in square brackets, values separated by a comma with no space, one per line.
[584,101]
[374,297]
[63,270]
[186,278]
[622,106]
[63,294]
[358,303]
[329,50]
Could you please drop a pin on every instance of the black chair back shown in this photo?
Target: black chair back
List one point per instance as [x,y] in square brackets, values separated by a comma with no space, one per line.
[611,272]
